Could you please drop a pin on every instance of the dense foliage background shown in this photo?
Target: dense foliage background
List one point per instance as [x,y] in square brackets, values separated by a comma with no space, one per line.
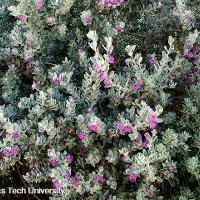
[101,98]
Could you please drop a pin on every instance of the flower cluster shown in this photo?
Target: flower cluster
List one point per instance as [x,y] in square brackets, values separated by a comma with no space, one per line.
[86,17]
[111,3]
[7,152]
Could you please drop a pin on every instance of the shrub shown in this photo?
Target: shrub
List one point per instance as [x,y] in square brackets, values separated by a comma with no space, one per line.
[101,98]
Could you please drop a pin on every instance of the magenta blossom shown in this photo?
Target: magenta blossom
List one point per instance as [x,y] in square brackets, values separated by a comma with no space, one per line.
[146,144]
[76,181]
[39,4]
[152,61]
[69,158]
[97,67]
[56,79]
[81,136]
[99,179]
[137,85]
[132,177]
[120,27]
[105,3]
[125,128]
[29,42]
[190,54]
[36,85]
[127,98]
[14,150]
[89,110]
[111,3]
[93,127]
[106,82]
[189,46]
[174,11]
[67,175]
[56,184]
[49,150]
[15,135]
[172,74]
[138,139]
[28,66]
[7,152]
[152,120]
[53,161]
[123,158]
[101,74]
[22,18]
[147,135]
[110,59]
[87,20]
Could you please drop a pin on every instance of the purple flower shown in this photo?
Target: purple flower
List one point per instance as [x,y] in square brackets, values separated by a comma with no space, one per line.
[152,125]
[120,27]
[93,127]
[67,175]
[126,98]
[123,158]
[113,3]
[189,46]
[152,120]
[29,42]
[190,18]
[6,153]
[106,82]
[125,128]
[137,85]
[147,135]
[56,184]
[15,135]
[86,17]
[132,177]
[69,158]
[53,161]
[110,59]
[138,139]
[39,4]
[99,179]
[76,181]
[190,54]
[101,74]
[87,20]
[146,144]
[28,66]
[97,67]
[152,61]
[14,150]
[81,50]
[36,86]
[89,110]
[172,74]
[49,150]
[81,136]
[22,18]
[56,79]
[10,151]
